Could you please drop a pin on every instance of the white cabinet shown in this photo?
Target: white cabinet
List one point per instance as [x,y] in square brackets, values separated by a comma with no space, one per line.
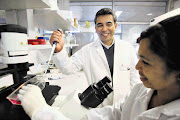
[43,18]
[23,4]
[51,20]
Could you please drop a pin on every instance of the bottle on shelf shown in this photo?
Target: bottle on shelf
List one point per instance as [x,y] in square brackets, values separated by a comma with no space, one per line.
[73,41]
[70,39]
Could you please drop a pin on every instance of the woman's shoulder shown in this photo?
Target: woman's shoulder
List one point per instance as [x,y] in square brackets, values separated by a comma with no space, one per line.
[139,88]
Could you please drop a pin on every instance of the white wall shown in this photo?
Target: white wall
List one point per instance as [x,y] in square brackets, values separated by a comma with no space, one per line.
[172,5]
[130,32]
[177,4]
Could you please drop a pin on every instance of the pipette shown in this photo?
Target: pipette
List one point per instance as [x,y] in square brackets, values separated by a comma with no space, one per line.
[52,51]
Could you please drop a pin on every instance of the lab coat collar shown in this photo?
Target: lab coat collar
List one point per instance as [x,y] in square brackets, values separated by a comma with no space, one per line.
[146,97]
[169,109]
[107,47]
[98,42]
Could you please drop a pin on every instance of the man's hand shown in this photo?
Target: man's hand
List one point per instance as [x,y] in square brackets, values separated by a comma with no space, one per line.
[57,36]
[31,99]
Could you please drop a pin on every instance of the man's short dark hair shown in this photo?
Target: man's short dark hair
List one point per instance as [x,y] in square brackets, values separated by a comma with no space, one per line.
[105,11]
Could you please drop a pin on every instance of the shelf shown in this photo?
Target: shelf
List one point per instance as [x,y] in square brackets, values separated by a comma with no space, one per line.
[51,20]
[71,45]
[23,4]
[38,47]
[44,16]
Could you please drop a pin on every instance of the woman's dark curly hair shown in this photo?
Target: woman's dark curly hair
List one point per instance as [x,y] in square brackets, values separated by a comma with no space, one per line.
[164,41]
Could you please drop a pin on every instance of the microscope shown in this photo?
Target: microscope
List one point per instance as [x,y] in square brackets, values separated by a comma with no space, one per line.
[15,56]
[15,52]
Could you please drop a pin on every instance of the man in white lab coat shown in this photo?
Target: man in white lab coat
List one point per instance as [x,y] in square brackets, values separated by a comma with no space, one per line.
[106,56]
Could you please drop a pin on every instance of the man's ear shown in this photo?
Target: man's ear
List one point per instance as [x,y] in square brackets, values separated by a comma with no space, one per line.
[116,24]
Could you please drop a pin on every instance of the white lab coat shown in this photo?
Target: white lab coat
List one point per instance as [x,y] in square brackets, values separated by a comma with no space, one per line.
[135,106]
[92,60]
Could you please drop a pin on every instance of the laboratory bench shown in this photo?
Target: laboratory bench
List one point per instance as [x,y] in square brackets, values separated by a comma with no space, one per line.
[58,87]
[67,101]
[68,83]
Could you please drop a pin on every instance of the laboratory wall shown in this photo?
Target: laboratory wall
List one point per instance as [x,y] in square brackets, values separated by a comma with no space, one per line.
[82,39]
[177,4]
[130,32]
[127,32]
[172,5]
[39,58]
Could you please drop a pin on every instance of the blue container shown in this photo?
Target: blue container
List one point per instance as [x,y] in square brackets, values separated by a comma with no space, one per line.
[46,38]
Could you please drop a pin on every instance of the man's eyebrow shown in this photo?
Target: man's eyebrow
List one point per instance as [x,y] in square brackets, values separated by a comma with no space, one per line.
[106,23]
[109,22]
[99,23]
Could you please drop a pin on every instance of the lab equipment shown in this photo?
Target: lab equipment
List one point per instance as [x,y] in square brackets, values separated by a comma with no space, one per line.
[96,93]
[37,80]
[10,111]
[37,41]
[54,78]
[70,38]
[52,51]
[46,38]
[15,55]
[6,80]
[164,16]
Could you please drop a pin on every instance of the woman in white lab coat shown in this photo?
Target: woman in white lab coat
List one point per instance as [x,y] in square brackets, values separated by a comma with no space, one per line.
[157,98]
